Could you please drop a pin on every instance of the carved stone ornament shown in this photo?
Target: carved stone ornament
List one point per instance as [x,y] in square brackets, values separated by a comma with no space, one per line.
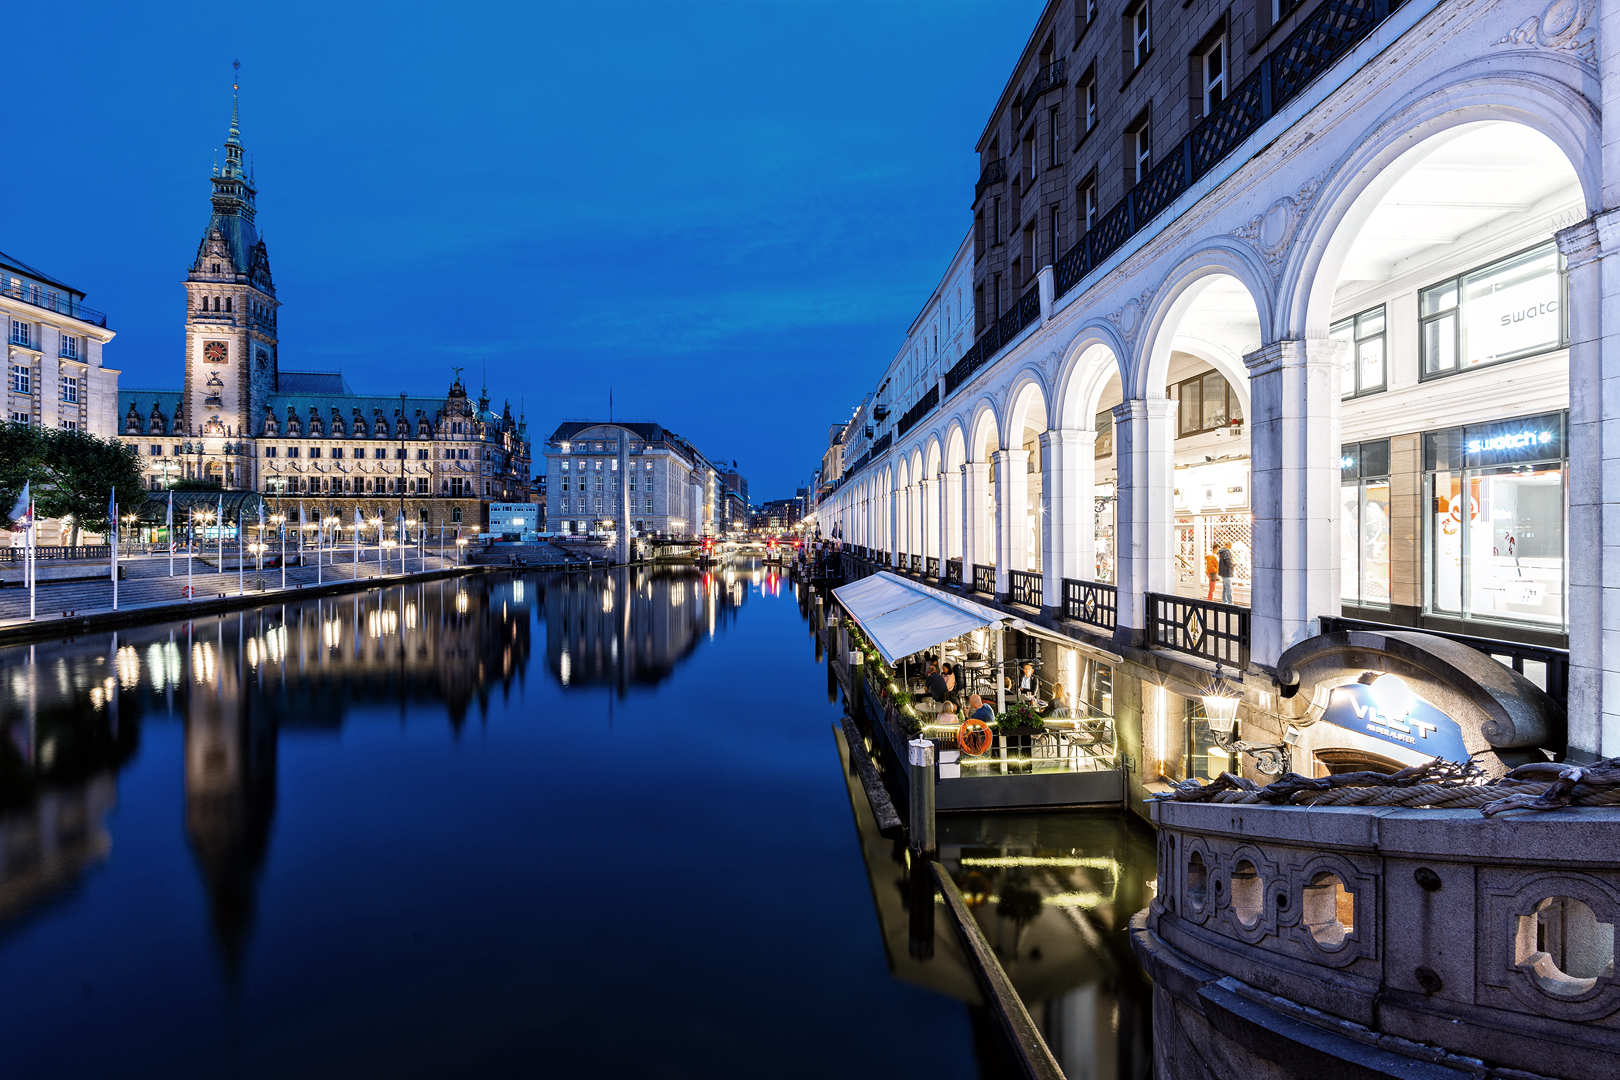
[1563,27]
[1272,232]
[1129,317]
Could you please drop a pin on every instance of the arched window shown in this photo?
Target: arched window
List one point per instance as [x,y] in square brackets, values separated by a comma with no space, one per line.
[227,303]
[216,303]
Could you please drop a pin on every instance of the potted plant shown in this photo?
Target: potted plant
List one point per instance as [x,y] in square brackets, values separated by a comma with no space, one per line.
[1019,718]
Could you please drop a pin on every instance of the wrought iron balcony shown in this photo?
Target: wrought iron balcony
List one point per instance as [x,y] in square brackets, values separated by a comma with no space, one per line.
[994,172]
[51,300]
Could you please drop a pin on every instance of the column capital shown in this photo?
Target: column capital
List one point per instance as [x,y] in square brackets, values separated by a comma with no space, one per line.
[1068,438]
[975,468]
[1013,457]
[927,482]
[1586,240]
[1144,409]
[1306,352]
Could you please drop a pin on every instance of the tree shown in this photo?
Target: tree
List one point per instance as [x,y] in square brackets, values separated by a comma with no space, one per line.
[22,447]
[76,474]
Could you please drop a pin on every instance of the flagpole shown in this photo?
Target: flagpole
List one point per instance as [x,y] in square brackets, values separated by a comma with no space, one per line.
[282,528]
[112,534]
[357,545]
[241,580]
[168,527]
[191,540]
[33,556]
[319,564]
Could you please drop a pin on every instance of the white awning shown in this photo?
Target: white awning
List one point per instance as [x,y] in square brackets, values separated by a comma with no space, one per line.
[903,617]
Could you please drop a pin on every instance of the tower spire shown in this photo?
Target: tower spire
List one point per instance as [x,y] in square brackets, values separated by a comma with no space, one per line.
[235,138]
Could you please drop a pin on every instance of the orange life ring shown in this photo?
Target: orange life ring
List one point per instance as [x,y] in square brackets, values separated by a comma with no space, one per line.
[974,737]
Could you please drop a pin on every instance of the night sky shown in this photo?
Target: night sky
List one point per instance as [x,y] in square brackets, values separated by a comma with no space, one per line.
[728,213]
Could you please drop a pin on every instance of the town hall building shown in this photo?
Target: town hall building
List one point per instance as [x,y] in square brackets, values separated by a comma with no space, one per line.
[246,423]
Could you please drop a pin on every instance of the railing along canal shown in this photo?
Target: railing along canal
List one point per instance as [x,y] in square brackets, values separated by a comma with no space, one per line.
[1024,587]
[931,568]
[953,571]
[984,579]
[1091,602]
[83,551]
[1218,632]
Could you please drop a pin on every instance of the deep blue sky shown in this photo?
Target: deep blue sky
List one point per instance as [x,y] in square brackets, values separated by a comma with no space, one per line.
[730,213]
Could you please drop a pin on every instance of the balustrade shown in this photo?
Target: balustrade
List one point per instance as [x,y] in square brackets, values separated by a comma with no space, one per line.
[1024,588]
[1091,602]
[984,579]
[1218,632]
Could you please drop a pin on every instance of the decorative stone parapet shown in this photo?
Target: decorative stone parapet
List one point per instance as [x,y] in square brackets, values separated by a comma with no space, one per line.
[1302,937]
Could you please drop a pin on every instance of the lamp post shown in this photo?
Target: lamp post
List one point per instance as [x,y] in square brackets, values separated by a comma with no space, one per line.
[1220,712]
[461,542]
[279,520]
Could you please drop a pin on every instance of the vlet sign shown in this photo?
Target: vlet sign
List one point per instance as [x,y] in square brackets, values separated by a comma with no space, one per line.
[1412,722]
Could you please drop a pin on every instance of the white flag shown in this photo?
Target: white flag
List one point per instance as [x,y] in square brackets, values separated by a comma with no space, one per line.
[168,515]
[19,512]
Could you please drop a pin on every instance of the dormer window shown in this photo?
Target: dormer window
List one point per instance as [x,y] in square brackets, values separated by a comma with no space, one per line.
[216,268]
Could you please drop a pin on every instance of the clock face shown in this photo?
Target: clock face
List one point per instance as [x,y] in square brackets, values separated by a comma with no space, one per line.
[215,352]
[264,358]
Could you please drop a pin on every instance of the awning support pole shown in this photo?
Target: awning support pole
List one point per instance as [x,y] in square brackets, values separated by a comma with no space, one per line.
[1001,670]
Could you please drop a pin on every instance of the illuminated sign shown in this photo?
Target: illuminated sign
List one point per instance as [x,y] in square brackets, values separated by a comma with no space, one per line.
[1398,718]
[1516,441]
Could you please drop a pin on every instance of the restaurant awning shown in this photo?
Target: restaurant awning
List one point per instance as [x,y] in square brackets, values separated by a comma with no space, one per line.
[902,617]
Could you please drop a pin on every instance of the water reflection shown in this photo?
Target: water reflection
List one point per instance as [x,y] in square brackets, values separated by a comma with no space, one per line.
[633,626]
[72,713]
[1053,893]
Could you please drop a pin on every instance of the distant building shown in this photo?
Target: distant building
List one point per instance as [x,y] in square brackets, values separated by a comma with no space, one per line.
[54,373]
[243,422]
[732,513]
[672,488]
[778,515]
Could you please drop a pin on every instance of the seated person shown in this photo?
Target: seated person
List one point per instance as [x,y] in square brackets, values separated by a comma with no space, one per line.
[979,709]
[1028,685]
[937,688]
[1060,701]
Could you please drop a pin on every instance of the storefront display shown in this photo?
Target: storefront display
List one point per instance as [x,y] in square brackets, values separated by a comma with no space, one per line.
[1494,538]
[1211,503]
[1363,362]
[1364,524]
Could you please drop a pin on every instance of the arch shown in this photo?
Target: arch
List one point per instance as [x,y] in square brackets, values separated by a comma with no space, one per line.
[985,431]
[1535,96]
[931,456]
[1183,286]
[955,445]
[1091,358]
[1027,392]
[916,464]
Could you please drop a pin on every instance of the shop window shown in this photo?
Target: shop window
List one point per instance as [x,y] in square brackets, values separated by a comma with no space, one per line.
[1364,524]
[1505,311]
[1204,759]
[1363,363]
[1205,403]
[1494,532]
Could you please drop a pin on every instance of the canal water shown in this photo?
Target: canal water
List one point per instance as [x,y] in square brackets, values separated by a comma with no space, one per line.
[584,825]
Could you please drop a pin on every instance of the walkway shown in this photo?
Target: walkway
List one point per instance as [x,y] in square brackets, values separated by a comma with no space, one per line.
[147,584]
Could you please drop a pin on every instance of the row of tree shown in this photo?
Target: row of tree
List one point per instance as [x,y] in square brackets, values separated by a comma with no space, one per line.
[69,473]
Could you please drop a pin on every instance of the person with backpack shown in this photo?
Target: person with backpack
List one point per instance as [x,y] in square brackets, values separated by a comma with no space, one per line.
[1224,565]
[1212,566]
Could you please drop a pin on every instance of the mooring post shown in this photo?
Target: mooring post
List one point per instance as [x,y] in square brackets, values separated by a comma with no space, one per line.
[920,756]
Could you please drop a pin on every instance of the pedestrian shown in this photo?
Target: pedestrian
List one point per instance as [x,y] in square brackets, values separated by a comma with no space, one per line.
[1212,567]
[1224,563]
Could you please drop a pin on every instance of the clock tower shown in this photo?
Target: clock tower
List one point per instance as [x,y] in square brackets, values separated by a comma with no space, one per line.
[230,320]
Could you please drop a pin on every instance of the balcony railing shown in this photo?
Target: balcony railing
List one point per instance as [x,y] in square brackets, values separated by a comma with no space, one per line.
[994,172]
[1091,602]
[1049,76]
[914,564]
[931,568]
[1330,31]
[924,405]
[984,579]
[61,303]
[1024,587]
[953,571]
[1218,632]
[995,336]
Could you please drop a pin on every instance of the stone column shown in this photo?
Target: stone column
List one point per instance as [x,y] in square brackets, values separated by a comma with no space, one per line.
[975,483]
[1294,485]
[928,519]
[1143,535]
[1594,484]
[1012,514]
[950,518]
[1068,471]
[908,528]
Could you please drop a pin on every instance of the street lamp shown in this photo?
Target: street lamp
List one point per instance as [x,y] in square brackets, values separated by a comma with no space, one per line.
[461,542]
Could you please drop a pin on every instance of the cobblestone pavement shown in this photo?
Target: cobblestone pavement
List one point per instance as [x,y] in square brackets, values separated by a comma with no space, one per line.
[147,583]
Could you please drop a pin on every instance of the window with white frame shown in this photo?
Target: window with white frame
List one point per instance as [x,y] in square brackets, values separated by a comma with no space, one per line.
[70,347]
[69,425]
[1213,68]
[1363,362]
[22,379]
[1141,35]
[1088,97]
[21,333]
[21,418]
[1087,200]
[69,385]
[1510,309]
[1139,150]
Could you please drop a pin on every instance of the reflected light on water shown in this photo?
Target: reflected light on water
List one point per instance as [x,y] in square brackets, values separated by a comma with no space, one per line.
[202,662]
[103,693]
[129,667]
[163,664]
[410,616]
[332,633]
[461,603]
[517,591]
[565,668]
